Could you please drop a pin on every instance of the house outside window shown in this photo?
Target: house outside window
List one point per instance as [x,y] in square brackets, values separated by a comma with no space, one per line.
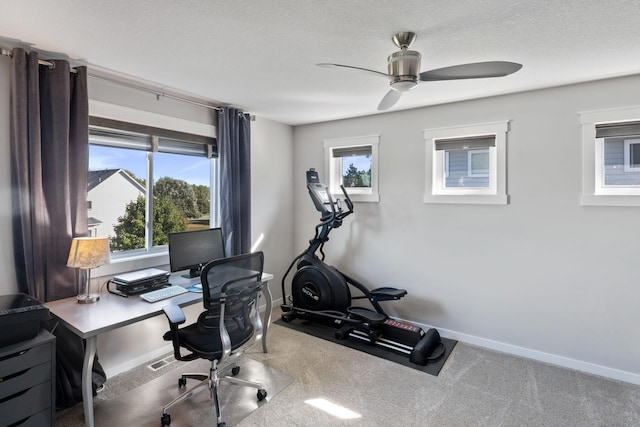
[353,163]
[466,164]
[143,186]
[611,157]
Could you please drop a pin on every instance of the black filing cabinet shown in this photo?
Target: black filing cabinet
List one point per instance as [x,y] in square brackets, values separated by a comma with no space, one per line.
[27,382]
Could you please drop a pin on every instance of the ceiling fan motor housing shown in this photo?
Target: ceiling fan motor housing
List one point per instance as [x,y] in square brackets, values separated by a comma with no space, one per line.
[404,66]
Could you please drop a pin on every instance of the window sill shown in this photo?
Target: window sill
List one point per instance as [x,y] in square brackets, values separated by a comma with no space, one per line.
[609,200]
[473,199]
[125,263]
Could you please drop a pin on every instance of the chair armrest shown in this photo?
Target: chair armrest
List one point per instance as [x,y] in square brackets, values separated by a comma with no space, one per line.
[176,317]
[174,314]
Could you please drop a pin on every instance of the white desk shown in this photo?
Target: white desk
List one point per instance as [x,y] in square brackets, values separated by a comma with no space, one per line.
[112,312]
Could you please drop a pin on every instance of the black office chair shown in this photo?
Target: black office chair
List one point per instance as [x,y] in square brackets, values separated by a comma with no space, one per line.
[228,327]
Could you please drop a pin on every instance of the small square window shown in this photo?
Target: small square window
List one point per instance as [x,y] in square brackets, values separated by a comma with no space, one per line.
[468,164]
[353,162]
[611,157]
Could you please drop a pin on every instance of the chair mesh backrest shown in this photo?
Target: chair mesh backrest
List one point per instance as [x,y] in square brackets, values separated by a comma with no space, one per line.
[231,278]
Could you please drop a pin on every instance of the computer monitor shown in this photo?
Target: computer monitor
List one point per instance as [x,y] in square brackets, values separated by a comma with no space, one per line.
[191,250]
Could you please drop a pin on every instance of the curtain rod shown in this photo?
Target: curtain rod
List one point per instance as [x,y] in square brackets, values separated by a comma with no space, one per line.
[51,65]
[158,94]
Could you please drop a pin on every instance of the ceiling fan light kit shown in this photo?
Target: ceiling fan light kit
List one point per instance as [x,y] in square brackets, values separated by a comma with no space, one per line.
[404,70]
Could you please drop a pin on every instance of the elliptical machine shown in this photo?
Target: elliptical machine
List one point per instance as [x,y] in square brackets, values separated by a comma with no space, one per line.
[321,293]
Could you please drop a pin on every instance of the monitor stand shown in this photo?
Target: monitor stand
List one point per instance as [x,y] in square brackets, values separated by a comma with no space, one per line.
[193,272]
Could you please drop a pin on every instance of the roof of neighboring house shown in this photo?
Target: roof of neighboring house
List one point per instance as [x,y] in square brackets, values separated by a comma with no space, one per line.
[95,178]
[91,221]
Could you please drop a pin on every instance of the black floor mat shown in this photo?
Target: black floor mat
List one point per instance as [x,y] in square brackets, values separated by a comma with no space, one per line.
[327,333]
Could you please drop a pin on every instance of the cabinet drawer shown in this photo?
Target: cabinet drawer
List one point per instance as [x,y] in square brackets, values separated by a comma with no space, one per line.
[25,404]
[23,380]
[21,360]
[41,419]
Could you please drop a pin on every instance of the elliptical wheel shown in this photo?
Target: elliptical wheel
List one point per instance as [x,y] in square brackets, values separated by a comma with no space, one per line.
[317,288]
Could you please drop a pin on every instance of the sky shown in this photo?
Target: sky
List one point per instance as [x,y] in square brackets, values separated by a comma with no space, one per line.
[194,170]
[362,163]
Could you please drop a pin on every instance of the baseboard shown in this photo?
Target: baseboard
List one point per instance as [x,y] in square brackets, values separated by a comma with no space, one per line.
[540,356]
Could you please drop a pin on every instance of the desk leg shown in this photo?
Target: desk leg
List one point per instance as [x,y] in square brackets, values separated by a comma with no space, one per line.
[87,380]
[267,315]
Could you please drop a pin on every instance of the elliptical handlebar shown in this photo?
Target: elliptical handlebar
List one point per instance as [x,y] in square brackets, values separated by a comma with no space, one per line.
[347,200]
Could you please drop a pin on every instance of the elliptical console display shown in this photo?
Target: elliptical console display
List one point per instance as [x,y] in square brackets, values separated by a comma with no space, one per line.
[321,293]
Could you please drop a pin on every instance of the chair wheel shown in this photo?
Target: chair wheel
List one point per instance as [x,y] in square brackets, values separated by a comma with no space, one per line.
[222,424]
[235,370]
[262,394]
[165,420]
[182,382]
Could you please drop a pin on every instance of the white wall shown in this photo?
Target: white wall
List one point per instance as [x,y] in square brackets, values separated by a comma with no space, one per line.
[543,277]
[272,197]
[8,283]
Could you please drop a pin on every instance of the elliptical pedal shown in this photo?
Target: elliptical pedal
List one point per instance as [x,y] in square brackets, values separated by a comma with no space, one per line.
[388,294]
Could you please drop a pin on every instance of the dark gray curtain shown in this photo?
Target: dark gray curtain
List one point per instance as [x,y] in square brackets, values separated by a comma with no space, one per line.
[49,161]
[234,148]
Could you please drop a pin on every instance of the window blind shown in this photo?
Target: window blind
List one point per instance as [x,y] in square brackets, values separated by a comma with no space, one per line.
[609,130]
[361,150]
[473,142]
[116,133]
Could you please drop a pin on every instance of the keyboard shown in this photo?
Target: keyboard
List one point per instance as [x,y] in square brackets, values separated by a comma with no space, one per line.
[164,293]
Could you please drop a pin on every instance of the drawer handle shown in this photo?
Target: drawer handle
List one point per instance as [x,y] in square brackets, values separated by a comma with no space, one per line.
[11,356]
[15,374]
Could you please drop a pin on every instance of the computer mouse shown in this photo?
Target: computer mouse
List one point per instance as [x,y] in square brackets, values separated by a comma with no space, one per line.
[198,286]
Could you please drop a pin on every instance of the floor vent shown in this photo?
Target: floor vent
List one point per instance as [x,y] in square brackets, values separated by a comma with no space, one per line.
[155,366]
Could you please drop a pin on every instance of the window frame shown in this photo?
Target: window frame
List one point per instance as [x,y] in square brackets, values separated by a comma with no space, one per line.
[436,171]
[156,255]
[594,192]
[333,169]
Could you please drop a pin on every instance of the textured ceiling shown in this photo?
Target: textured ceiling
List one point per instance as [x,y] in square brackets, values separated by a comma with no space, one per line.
[261,55]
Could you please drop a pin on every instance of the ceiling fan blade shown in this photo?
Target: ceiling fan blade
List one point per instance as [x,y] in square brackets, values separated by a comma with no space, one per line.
[475,70]
[389,100]
[328,65]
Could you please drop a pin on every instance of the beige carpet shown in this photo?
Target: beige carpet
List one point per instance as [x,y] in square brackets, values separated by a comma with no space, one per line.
[476,387]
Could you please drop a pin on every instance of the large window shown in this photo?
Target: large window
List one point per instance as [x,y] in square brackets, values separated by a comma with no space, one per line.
[146,182]
[466,164]
[611,157]
[353,162]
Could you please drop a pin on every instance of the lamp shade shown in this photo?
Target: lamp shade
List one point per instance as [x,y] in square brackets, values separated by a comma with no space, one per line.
[89,252]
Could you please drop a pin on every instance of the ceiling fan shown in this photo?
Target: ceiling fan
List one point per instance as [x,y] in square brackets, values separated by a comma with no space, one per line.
[404,70]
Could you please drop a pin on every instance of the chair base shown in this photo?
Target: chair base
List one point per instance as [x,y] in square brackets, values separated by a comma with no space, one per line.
[211,382]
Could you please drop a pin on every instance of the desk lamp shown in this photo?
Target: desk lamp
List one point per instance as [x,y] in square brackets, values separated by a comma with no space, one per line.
[87,253]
